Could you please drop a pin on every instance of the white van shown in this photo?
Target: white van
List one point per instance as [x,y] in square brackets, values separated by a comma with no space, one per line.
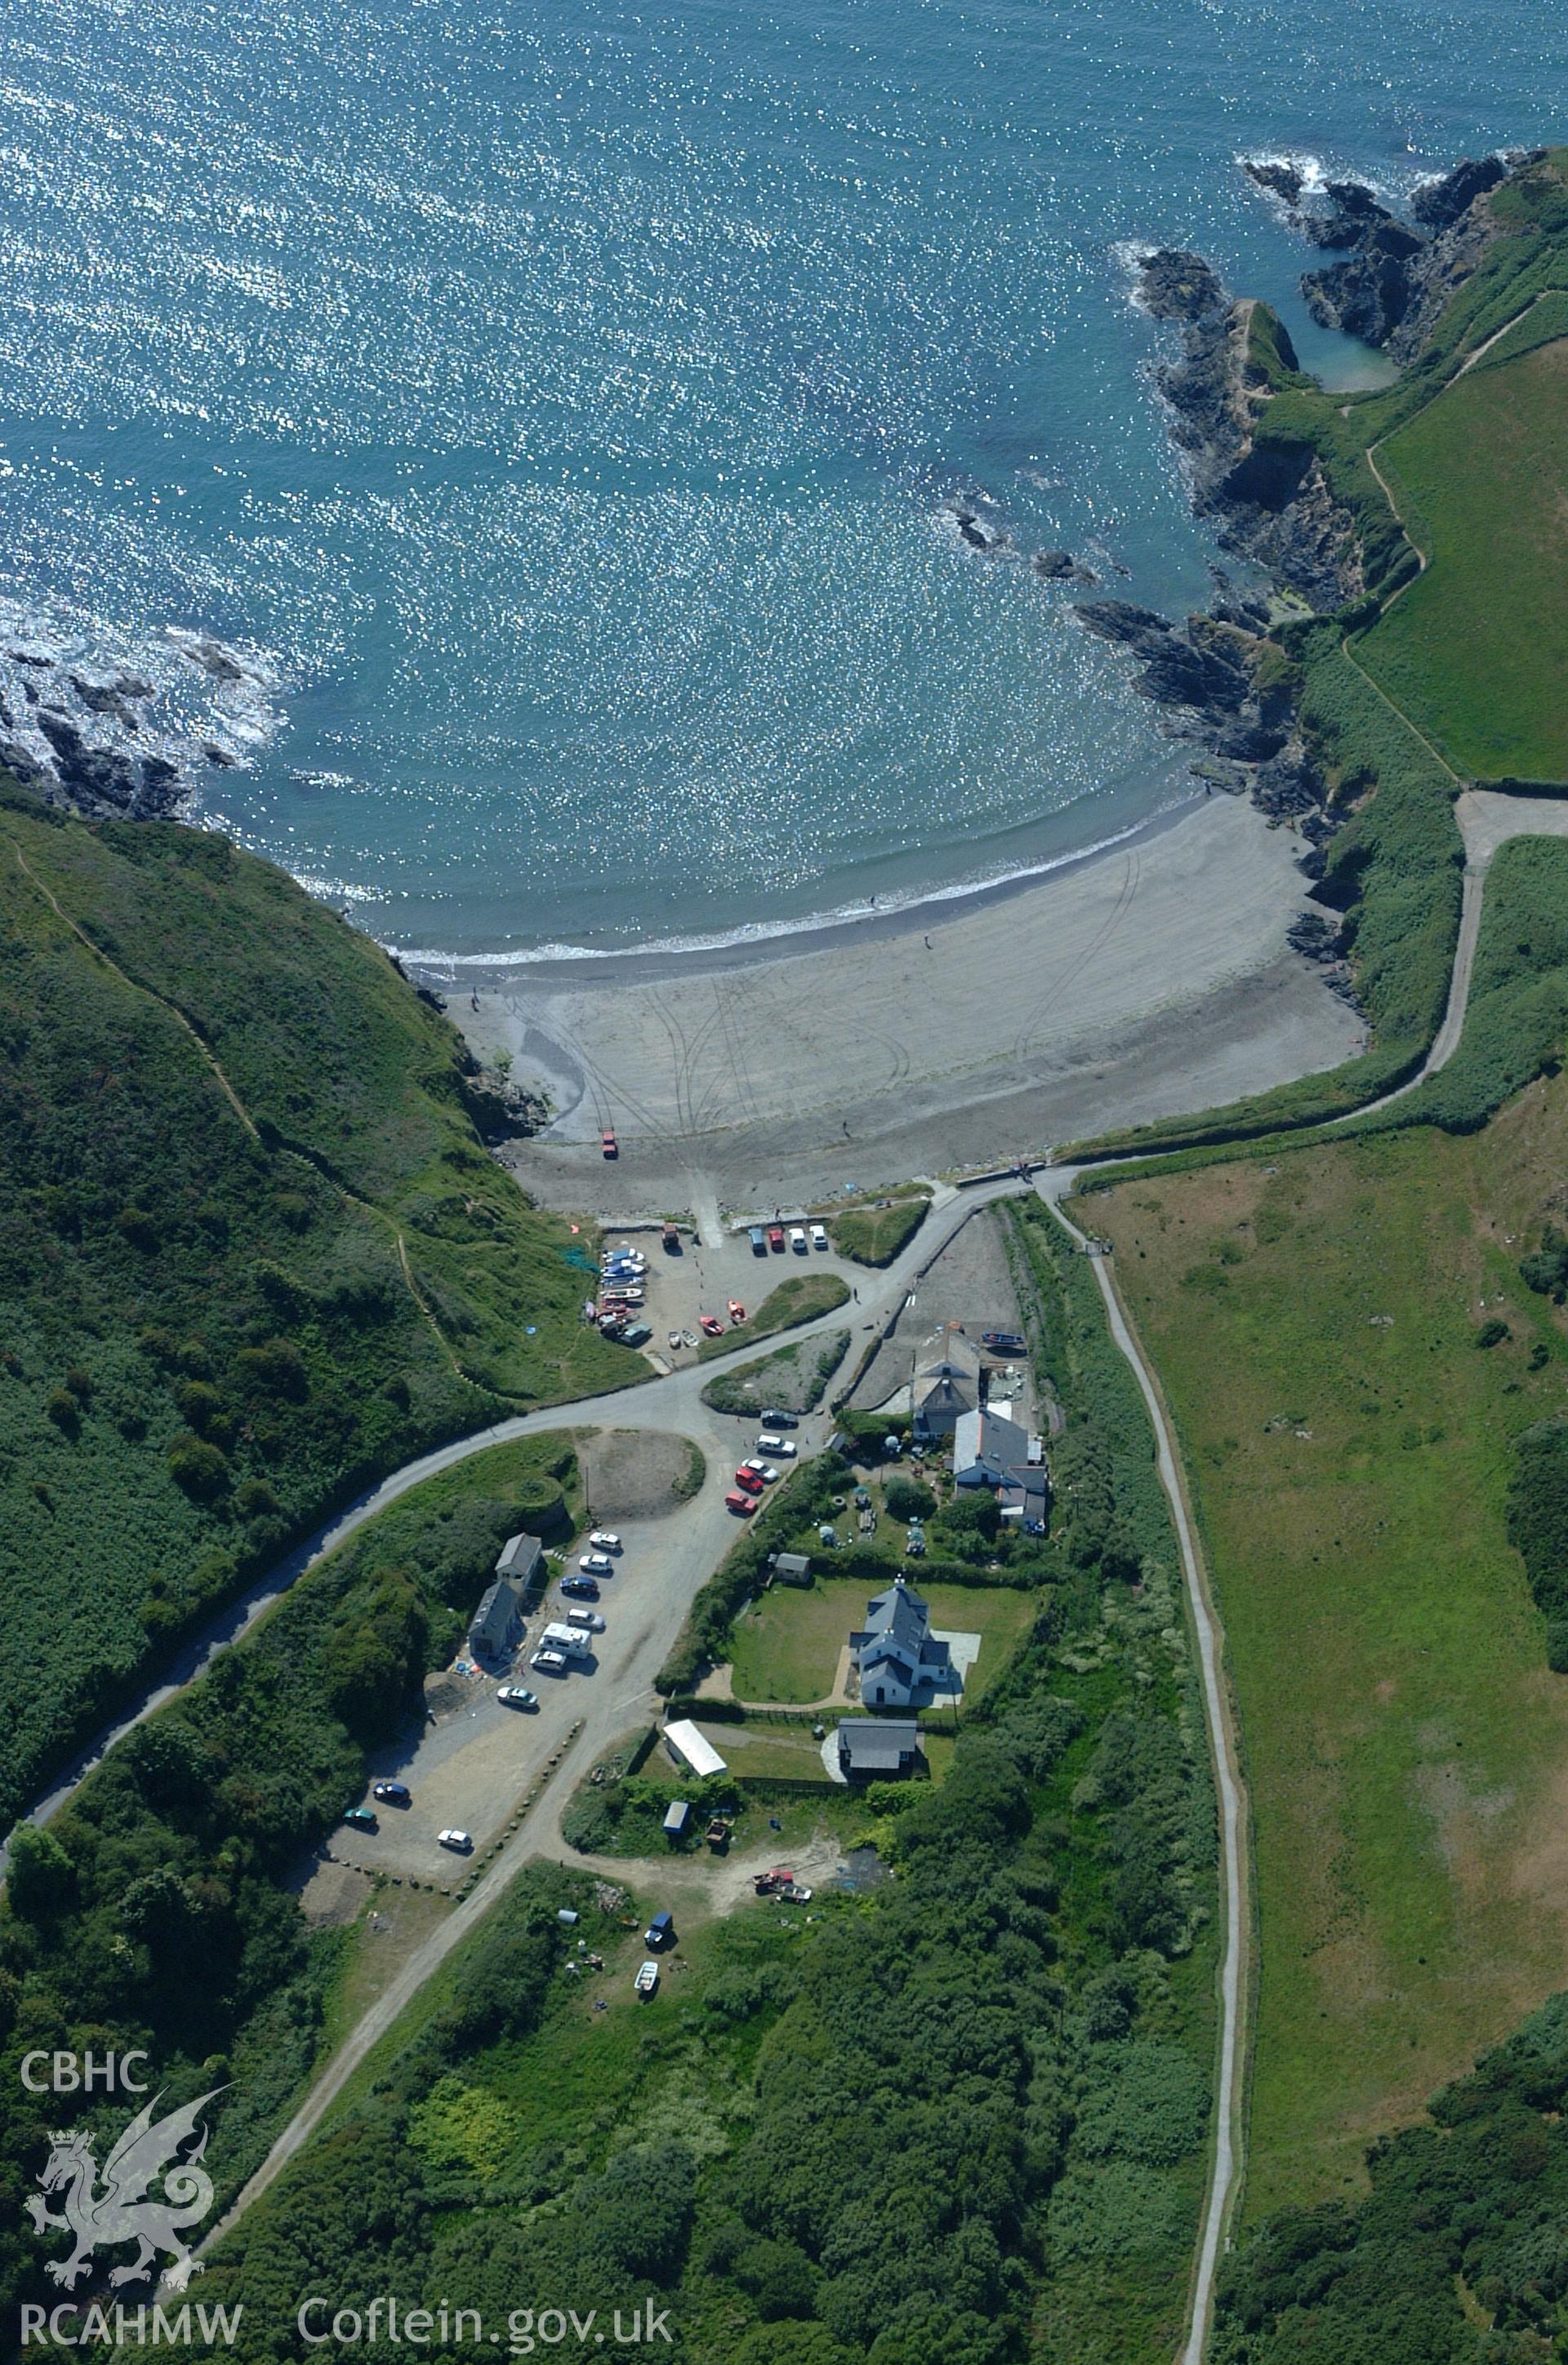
[568,1639]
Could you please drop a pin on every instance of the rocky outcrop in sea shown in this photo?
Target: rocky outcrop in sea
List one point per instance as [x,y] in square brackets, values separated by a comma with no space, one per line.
[1397,273]
[127,737]
[1218,679]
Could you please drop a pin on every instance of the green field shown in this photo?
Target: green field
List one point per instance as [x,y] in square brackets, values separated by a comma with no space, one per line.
[1319,1329]
[786,1647]
[1476,651]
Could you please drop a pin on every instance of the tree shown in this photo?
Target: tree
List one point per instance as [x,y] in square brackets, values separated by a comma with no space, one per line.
[42,1875]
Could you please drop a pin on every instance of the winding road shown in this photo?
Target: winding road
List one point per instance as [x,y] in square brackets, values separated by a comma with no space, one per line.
[673,1402]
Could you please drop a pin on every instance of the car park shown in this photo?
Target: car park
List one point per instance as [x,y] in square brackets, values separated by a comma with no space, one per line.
[517,1696]
[819,1236]
[609,1143]
[742,1505]
[776,1238]
[393,1794]
[771,1419]
[597,1563]
[763,1470]
[779,1447]
[548,1662]
[605,1540]
[359,1819]
[458,1842]
[798,1239]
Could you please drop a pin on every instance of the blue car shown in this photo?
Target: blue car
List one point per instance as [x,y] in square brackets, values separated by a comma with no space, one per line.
[580,1589]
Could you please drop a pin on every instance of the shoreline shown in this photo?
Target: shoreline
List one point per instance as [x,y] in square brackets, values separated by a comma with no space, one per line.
[1139,980]
[588,968]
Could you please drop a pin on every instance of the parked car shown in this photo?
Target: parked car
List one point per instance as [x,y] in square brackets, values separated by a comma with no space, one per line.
[764,1470]
[749,1479]
[766,1882]
[549,1662]
[776,1238]
[359,1819]
[819,1236]
[660,1932]
[458,1842]
[517,1696]
[596,1564]
[587,1620]
[605,1540]
[637,1334]
[609,1143]
[1002,1342]
[771,1419]
[798,1239]
[580,1588]
[742,1505]
[394,1794]
[645,1983]
[779,1446]
[669,1240]
[758,1240]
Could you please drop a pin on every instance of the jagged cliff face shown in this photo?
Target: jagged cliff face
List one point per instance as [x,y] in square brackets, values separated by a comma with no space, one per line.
[1271,507]
[1395,275]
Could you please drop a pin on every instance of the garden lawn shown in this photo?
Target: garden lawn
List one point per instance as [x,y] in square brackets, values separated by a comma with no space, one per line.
[1475,650]
[1348,1443]
[786,1647]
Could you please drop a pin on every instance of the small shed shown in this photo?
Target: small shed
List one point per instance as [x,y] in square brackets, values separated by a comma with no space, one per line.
[520,1559]
[878,1750]
[676,1817]
[792,1568]
[692,1749]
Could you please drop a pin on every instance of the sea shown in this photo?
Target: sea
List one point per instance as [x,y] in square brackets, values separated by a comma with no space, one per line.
[564,405]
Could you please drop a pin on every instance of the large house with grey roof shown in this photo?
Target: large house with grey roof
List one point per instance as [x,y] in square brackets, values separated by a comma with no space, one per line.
[895,1654]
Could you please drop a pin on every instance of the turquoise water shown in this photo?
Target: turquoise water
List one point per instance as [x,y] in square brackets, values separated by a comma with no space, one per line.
[564,402]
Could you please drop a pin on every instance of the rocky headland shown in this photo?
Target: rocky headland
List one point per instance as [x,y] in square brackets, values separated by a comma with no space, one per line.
[1219,679]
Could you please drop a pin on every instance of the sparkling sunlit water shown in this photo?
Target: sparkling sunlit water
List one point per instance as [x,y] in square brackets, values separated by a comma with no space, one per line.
[566,397]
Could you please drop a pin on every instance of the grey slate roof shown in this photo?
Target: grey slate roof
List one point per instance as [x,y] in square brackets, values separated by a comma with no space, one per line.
[878,1745]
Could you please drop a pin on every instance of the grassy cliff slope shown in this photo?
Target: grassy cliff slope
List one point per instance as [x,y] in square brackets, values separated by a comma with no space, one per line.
[253,1250]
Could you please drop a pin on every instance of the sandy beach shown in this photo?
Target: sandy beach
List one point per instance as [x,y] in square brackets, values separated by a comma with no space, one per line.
[1153,978]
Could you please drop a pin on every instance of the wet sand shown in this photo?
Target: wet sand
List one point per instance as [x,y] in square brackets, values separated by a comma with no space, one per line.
[1149,978]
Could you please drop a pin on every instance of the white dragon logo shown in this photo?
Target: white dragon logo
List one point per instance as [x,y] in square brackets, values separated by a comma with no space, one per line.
[120,2213]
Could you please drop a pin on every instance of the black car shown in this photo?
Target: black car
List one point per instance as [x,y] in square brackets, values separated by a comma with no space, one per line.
[394,1794]
[777,1421]
[580,1588]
